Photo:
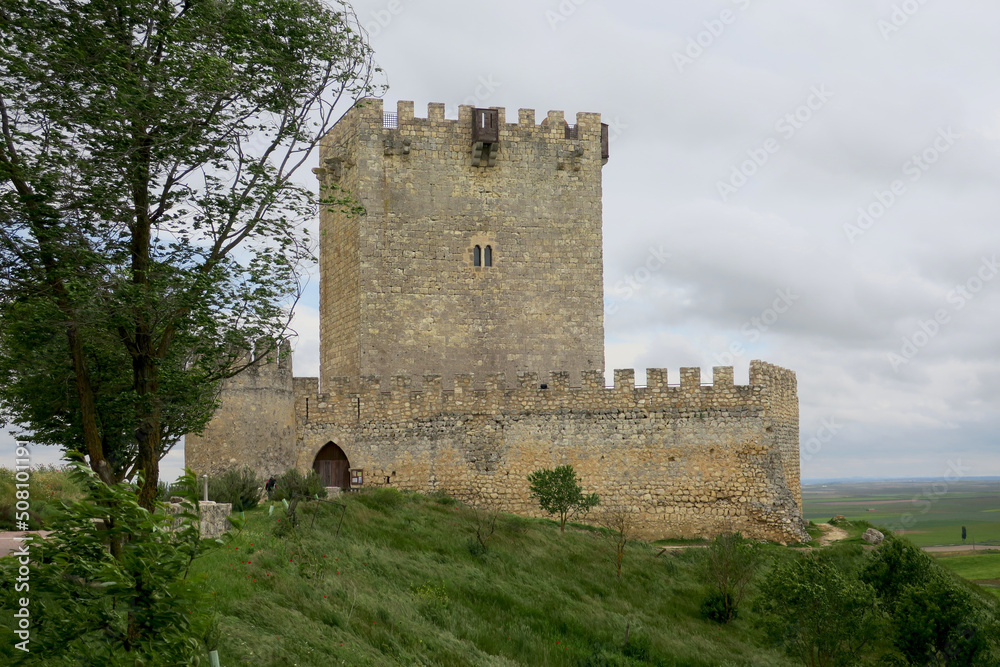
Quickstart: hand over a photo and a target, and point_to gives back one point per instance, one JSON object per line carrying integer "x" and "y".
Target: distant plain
{"x": 927, "y": 512}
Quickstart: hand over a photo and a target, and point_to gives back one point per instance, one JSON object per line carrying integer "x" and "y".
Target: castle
{"x": 462, "y": 342}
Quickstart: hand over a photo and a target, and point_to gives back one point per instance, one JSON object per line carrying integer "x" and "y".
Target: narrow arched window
{"x": 488, "y": 256}
{"x": 477, "y": 256}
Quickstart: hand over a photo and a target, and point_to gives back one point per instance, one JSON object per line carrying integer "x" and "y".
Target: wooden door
{"x": 326, "y": 472}
{"x": 340, "y": 475}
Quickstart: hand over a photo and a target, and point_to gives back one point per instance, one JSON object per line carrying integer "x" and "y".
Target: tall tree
{"x": 150, "y": 229}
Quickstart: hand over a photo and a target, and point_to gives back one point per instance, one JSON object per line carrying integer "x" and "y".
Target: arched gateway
{"x": 332, "y": 466}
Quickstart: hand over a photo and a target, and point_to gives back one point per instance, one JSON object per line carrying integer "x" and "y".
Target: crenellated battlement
{"x": 372, "y": 112}
{"x": 268, "y": 366}
{"x": 368, "y": 398}
{"x": 402, "y": 133}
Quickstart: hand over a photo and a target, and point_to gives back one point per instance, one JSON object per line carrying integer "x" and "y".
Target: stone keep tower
{"x": 479, "y": 250}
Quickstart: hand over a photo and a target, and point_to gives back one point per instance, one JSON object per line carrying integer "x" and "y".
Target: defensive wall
{"x": 689, "y": 459}
{"x": 254, "y": 425}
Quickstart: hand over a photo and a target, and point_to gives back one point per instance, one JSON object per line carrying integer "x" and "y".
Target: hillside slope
{"x": 407, "y": 583}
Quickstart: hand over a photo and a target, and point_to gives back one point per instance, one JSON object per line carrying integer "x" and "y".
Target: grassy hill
{"x": 386, "y": 578}
{"x": 406, "y": 583}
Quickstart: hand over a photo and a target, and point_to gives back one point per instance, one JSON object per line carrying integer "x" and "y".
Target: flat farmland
{"x": 927, "y": 512}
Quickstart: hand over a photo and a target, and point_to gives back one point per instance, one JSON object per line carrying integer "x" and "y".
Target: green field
{"x": 929, "y": 513}
{"x": 982, "y": 568}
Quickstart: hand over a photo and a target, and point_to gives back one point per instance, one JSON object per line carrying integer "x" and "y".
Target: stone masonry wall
{"x": 689, "y": 460}
{"x": 399, "y": 292}
{"x": 254, "y": 425}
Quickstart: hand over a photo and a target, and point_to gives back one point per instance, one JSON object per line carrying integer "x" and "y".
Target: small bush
{"x": 938, "y": 621}
{"x": 719, "y": 607}
{"x": 442, "y": 498}
{"x": 241, "y": 487}
{"x": 476, "y": 548}
{"x": 293, "y": 483}
{"x": 559, "y": 493}
{"x": 730, "y": 566}
{"x": 819, "y": 613}
{"x": 895, "y": 565}
{"x": 8, "y": 514}
{"x": 47, "y": 485}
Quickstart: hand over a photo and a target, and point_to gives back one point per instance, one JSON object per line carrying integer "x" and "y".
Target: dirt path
{"x": 8, "y": 543}
{"x": 962, "y": 548}
{"x": 831, "y": 534}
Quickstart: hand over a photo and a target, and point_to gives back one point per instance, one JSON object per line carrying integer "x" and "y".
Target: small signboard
{"x": 357, "y": 477}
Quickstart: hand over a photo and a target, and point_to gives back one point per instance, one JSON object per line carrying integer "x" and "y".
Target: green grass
{"x": 400, "y": 585}
{"x": 931, "y": 513}
{"x": 974, "y": 567}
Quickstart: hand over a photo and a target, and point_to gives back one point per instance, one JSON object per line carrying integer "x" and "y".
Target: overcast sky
{"x": 812, "y": 184}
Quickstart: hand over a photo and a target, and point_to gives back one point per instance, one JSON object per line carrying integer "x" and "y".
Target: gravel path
{"x": 8, "y": 543}
{"x": 831, "y": 534}
{"x": 962, "y": 548}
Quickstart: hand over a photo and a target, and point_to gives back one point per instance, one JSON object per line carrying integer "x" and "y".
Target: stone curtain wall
{"x": 690, "y": 460}
{"x": 254, "y": 425}
{"x": 399, "y": 291}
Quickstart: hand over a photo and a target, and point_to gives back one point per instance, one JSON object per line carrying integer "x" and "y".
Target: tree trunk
{"x": 145, "y": 368}
{"x": 147, "y": 434}
{"x": 88, "y": 409}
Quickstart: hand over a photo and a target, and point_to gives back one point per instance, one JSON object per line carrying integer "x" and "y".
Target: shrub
{"x": 719, "y": 607}
{"x": 442, "y": 498}
{"x": 820, "y": 614}
{"x": 476, "y": 548}
{"x": 731, "y": 565}
{"x": 558, "y": 492}
{"x": 241, "y": 487}
{"x": 46, "y": 486}
{"x": 895, "y": 565}
{"x": 619, "y": 524}
{"x": 118, "y": 596}
{"x": 937, "y": 622}
{"x": 293, "y": 483}
{"x": 484, "y": 513}
{"x": 8, "y": 513}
